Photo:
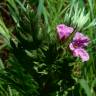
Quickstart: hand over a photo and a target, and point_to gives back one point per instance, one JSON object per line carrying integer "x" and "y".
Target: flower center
{"x": 79, "y": 43}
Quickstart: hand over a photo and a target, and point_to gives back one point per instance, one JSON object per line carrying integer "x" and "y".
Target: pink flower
{"x": 64, "y": 31}
{"x": 77, "y": 46}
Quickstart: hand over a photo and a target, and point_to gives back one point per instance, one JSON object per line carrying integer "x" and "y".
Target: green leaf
{"x": 4, "y": 31}
{"x": 1, "y": 65}
{"x": 40, "y": 7}
{"x": 86, "y": 87}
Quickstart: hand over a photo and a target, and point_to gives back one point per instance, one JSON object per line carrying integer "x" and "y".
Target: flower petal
{"x": 81, "y": 38}
{"x": 80, "y": 52}
{"x": 71, "y": 46}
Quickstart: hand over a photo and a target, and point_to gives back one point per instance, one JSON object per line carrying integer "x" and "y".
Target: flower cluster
{"x": 78, "y": 43}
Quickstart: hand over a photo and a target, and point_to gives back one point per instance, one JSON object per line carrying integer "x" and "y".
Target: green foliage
{"x": 32, "y": 60}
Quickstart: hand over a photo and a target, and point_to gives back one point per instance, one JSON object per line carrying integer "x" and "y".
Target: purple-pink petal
{"x": 80, "y": 52}
{"x": 80, "y": 40}
{"x": 71, "y": 47}
{"x": 63, "y": 31}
